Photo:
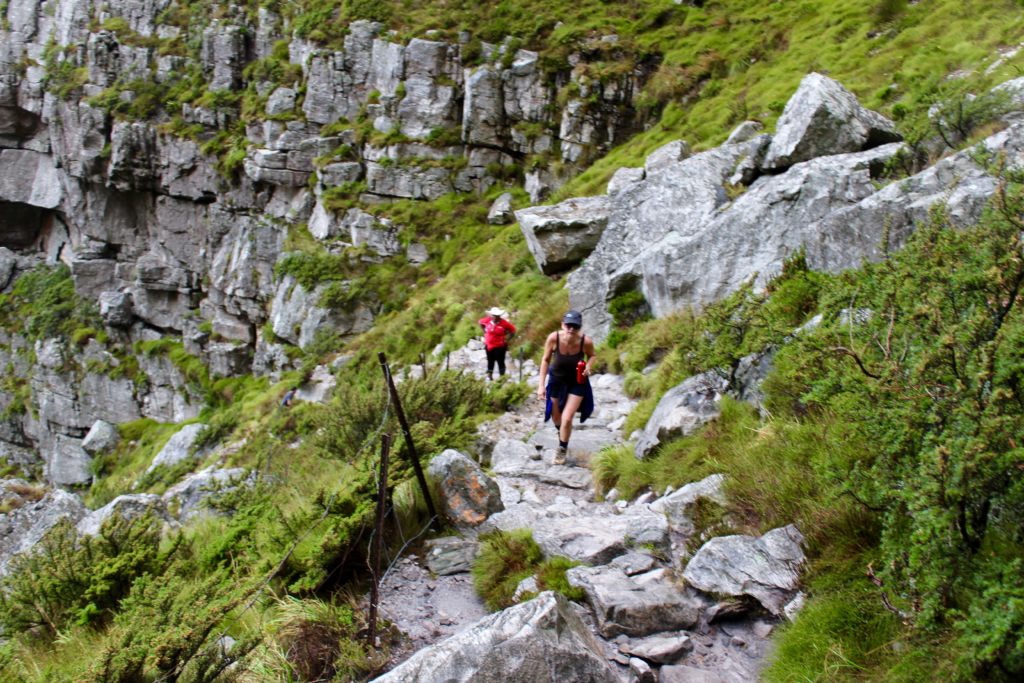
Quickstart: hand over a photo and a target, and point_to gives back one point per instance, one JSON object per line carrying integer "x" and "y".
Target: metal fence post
{"x": 378, "y": 537}
{"x": 413, "y": 456}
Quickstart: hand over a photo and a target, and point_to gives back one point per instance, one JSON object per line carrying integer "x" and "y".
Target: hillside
{"x": 205, "y": 204}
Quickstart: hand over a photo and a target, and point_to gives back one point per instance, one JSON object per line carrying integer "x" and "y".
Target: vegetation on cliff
{"x": 894, "y": 430}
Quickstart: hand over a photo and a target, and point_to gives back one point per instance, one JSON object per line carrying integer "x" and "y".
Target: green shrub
{"x": 551, "y": 577}
{"x": 43, "y": 303}
{"x": 169, "y": 627}
{"x": 70, "y": 580}
{"x": 505, "y": 559}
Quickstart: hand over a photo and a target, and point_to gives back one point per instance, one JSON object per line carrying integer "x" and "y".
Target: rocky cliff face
{"x": 687, "y": 230}
{"x": 164, "y": 157}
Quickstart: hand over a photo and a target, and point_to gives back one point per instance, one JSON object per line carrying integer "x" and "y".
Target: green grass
{"x": 845, "y": 634}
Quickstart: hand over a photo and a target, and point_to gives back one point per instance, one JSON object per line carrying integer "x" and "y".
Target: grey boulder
{"x": 178, "y": 448}
{"x": 766, "y": 568}
{"x": 678, "y": 506}
{"x": 23, "y": 528}
{"x": 636, "y": 605}
{"x": 824, "y": 118}
{"x": 130, "y": 506}
{"x": 540, "y": 641}
{"x": 186, "y": 499}
{"x": 102, "y": 436}
{"x": 501, "y": 210}
{"x": 561, "y": 236}
{"x": 450, "y": 555}
{"x": 468, "y": 495}
{"x": 684, "y": 408}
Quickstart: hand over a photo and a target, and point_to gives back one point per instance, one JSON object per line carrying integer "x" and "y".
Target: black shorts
{"x": 559, "y": 388}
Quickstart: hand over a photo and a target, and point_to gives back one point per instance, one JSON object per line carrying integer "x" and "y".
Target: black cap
{"x": 573, "y": 318}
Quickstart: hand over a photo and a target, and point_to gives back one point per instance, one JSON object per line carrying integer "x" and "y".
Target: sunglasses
{"x": 572, "y": 326}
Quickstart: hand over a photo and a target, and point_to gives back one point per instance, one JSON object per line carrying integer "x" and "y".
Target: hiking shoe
{"x": 559, "y": 458}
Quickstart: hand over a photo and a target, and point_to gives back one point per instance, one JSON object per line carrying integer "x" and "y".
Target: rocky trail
{"x": 641, "y": 621}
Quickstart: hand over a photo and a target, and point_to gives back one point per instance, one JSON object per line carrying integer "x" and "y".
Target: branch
{"x": 870, "y": 573}
{"x": 852, "y": 354}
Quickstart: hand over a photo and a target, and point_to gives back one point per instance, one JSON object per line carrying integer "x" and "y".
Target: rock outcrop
{"x": 818, "y": 184}
{"x": 766, "y": 568}
{"x": 539, "y": 640}
{"x": 468, "y": 496}
{"x": 682, "y": 409}
{"x": 172, "y": 215}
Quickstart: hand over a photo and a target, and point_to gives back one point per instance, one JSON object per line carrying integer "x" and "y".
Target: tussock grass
{"x": 508, "y": 557}
{"x": 504, "y": 560}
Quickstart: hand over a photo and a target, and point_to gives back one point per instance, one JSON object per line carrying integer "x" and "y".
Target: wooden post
{"x": 378, "y": 537}
{"x": 413, "y": 457}
{"x": 423, "y": 364}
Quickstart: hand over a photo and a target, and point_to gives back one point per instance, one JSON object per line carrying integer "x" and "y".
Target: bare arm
{"x": 588, "y": 350}
{"x": 549, "y": 347}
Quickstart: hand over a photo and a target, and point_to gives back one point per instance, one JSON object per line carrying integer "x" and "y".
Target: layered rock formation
{"x": 687, "y": 230}
{"x": 164, "y": 157}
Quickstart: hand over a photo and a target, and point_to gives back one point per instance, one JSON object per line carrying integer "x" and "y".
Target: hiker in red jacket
{"x": 497, "y": 333}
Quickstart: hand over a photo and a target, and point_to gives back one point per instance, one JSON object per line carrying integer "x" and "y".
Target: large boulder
{"x": 500, "y": 212}
{"x": 636, "y": 605}
{"x": 561, "y": 236}
{"x": 102, "y": 436}
{"x": 129, "y": 506}
{"x": 468, "y": 496}
{"x": 187, "y": 498}
{"x": 679, "y": 198}
{"x": 824, "y": 118}
{"x": 766, "y": 568}
{"x": 682, "y": 410}
{"x": 751, "y": 237}
{"x": 540, "y": 641}
{"x": 67, "y": 464}
{"x": 679, "y": 505}
{"x": 22, "y": 529}
{"x": 849, "y": 235}
{"x": 178, "y": 448}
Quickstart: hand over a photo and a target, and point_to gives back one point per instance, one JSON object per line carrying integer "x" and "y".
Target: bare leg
{"x": 572, "y": 404}
{"x": 556, "y": 414}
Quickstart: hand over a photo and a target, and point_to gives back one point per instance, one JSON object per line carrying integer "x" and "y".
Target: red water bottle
{"x": 580, "y": 367}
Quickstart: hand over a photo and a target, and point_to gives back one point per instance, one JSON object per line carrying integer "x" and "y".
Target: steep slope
{"x": 203, "y": 204}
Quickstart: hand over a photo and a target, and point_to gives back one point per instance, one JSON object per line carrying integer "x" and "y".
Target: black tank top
{"x": 563, "y": 366}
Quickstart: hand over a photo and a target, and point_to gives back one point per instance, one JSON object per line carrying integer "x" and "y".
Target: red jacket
{"x": 496, "y": 334}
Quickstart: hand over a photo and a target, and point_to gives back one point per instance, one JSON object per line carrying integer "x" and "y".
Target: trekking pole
{"x": 378, "y": 534}
{"x": 413, "y": 457}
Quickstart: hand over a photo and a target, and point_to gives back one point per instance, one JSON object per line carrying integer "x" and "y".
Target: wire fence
{"x": 389, "y": 553}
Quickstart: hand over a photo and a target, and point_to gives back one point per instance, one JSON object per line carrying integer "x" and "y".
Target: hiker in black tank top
{"x": 563, "y": 365}
{"x": 563, "y": 351}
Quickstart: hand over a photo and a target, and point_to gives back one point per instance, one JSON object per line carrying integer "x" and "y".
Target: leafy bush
{"x": 71, "y": 580}
{"x": 168, "y": 629}
{"x": 931, "y": 380}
